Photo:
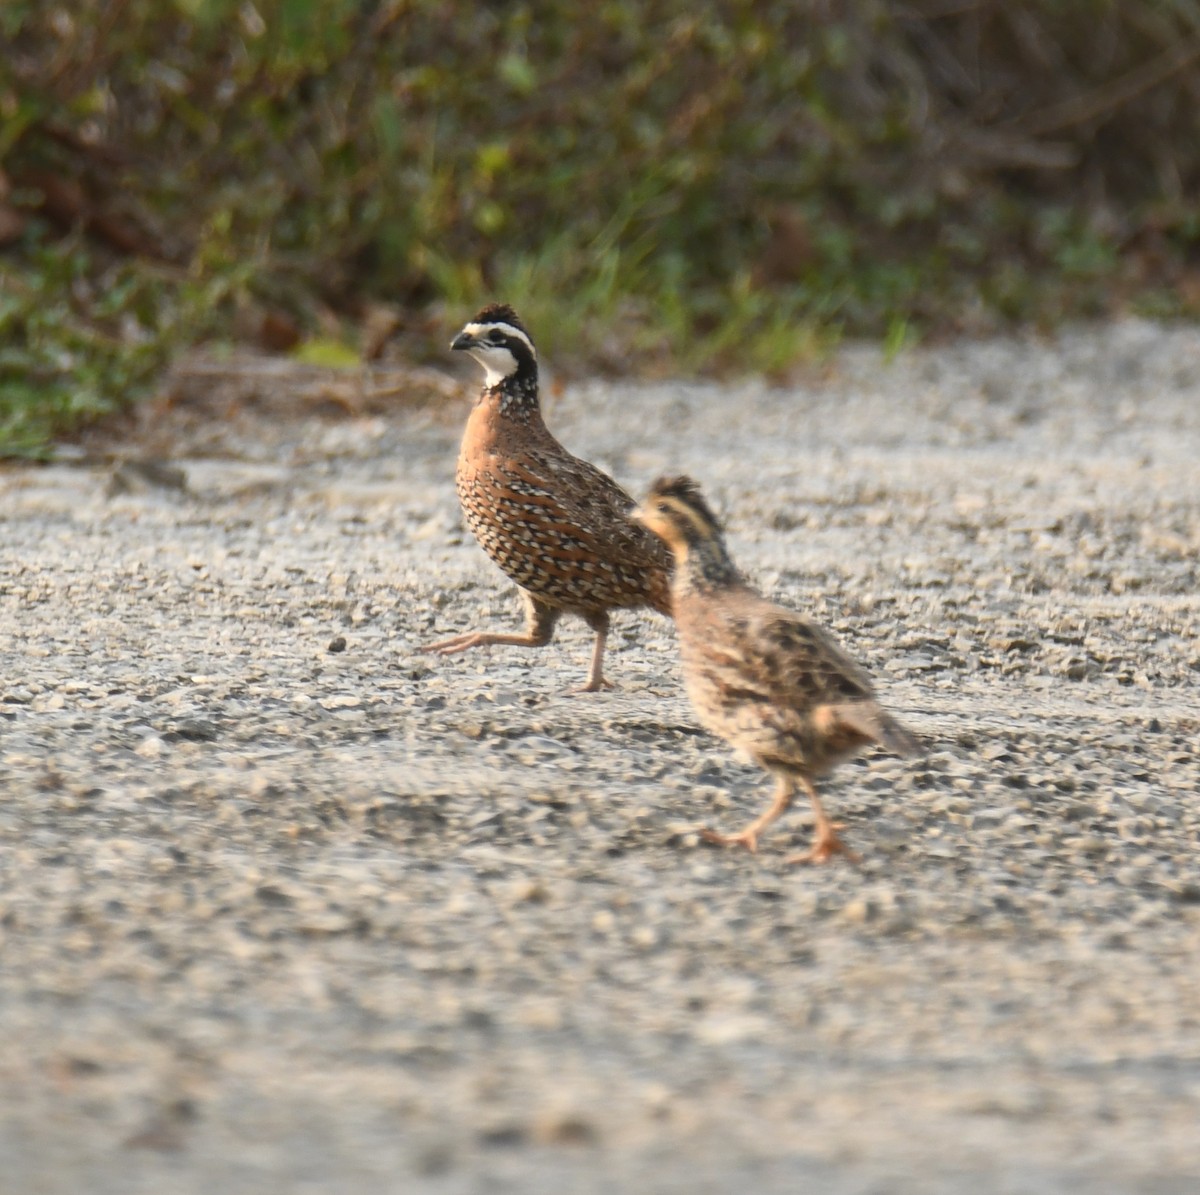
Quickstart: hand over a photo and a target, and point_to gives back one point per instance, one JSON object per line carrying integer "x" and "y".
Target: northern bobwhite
{"x": 766, "y": 680}
{"x": 556, "y": 525}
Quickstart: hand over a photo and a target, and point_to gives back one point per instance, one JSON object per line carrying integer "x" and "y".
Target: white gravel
{"x": 277, "y": 917}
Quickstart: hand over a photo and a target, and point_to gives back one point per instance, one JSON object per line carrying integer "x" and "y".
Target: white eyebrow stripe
{"x": 507, "y": 329}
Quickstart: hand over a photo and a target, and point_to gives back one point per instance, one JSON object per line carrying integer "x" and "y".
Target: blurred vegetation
{"x": 717, "y": 184}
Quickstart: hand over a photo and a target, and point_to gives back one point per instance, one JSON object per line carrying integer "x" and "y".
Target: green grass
{"x": 658, "y": 188}
{"x": 60, "y": 367}
{"x": 80, "y": 340}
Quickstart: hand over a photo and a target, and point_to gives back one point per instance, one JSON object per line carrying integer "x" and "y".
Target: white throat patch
{"x": 498, "y": 363}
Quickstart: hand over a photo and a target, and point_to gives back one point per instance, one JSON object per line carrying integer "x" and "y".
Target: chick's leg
{"x": 826, "y": 842}
{"x": 785, "y": 789}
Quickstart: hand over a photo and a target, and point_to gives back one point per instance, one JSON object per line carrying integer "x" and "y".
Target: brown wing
{"x": 805, "y": 670}
{"x": 807, "y": 665}
{"x": 774, "y": 684}
{"x": 788, "y": 662}
{"x": 599, "y": 509}
{"x": 559, "y": 527}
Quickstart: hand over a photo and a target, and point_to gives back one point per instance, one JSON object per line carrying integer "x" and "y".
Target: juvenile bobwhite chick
{"x": 556, "y": 525}
{"x": 766, "y": 680}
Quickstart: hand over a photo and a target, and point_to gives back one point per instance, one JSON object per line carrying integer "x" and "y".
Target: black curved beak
{"x": 464, "y": 340}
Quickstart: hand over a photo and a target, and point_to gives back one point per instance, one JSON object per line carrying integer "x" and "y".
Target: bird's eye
{"x": 495, "y": 337}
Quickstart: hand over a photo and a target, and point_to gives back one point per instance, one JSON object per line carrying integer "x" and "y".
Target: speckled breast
{"x": 520, "y": 525}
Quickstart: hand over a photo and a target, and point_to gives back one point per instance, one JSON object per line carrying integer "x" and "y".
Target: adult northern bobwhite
{"x": 558, "y": 526}
{"x": 766, "y": 680}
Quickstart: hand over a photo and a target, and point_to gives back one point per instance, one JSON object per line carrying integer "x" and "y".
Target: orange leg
{"x": 784, "y": 791}
{"x": 595, "y": 680}
{"x": 539, "y": 630}
{"x": 540, "y": 621}
{"x": 470, "y": 639}
{"x": 826, "y": 842}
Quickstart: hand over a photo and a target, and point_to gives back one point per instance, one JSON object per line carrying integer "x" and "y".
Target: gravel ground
{"x": 289, "y": 907}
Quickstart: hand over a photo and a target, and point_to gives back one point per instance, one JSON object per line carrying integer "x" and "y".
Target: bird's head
{"x": 497, "y": 339}
{"x": 677, "y": 513}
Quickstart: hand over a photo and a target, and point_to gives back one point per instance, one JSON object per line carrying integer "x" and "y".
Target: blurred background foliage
{"x": 657, "y": 184}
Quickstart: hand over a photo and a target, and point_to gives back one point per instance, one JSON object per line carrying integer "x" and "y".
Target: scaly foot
{"x": 826, "y": 844}
{"x": 747, "y": 838}
{"x": 457, "y": 643}
{"x": 595, "y": 685}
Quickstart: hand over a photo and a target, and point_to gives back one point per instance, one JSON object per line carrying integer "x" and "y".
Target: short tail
{"x": 898, "y": 738}
{"x": 851, "y": 725}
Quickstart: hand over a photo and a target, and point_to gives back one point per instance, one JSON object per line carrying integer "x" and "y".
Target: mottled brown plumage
{"x": 555, "y": 524}
{"x": 766, "y": 680}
